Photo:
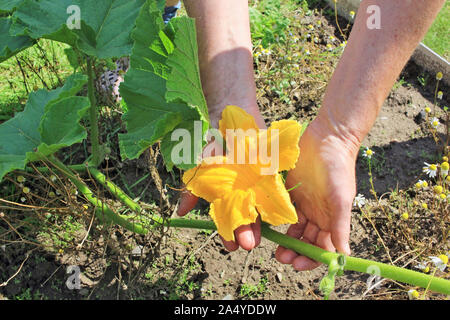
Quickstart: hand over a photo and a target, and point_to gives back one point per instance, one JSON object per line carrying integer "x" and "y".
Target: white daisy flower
{"x": 439, "y": 262}
{"x": 359, "y": 201}
{"x": 430, "y": 169}
{"x": 434, "y": 122}
{"x": 368, "y": 153}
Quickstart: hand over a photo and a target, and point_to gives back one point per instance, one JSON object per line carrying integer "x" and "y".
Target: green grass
{"x": 437, "y": 37}
{"x": 43, "y": 65}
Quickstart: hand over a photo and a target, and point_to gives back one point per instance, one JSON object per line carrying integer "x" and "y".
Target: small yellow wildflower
{"x": 438, "y": 189}
{"x": 427, "y": 109}
{"x": 439, "y": 76}
{"x": 61, "y": 251}
{"x": 26, "y": 190}
{"x": 415, "y": 202}
{"x": 21, "y": 179}
{"x": 405, "y": 216}
{"x": 440, "y": 95}
{"x": 443, "y": 196}
{"x": 443, "y": 258}
{"x": 51, "y": 194}
{"x": 413, "y": 294}
{"x": 329, "y": 47}
{"x": 310, "y": 27}
{"x": 352, "y": 14}
{"x": 424, "y": 206}
{"x": 444, "y": 168}
{"x": 53, "y": 178}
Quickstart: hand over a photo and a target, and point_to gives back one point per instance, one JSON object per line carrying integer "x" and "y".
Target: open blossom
{"x": 239, "y": 192}
{"x": 439, "y": 76}
{"x": 368, "y": 153}
{"x": 434, "y": 122}
{"x": 359, "y": 201}
{"x": 423, "y": 266}
{"x": 440, "y": 95}
{"x": 439, "y": 262}
{"x": 430, "y": 169}
{"x": 352, "y": 14}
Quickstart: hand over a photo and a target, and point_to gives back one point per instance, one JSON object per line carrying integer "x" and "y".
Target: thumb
{"x": 187, "y": 203}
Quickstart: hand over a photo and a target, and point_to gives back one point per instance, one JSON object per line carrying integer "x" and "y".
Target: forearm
{"x": 225, "y": 55}
{"x": 370, "y": 64}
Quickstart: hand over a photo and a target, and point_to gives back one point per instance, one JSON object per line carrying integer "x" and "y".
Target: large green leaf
{"x": 50, "y": 121}
{"x": 9, "y": 5}
{"x": 104, "y": 29}
{"x": 151, "y": 117}
{"x": 10, "y": 45}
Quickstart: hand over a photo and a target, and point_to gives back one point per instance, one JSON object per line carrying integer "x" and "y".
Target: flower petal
{"x": 214, "y": 179}
{"x": 273, "y": 201}
{"x": 234, "y": 210}
{"x": 288, "y": 134}
{"x": 234, "y": 118}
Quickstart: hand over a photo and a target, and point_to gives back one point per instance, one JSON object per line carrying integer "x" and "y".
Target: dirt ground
{"x": 192, "y": 264}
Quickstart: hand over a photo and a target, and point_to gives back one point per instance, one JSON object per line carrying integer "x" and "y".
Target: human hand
{"x": 247, "y": 236}
{"x": 323, "y": 200}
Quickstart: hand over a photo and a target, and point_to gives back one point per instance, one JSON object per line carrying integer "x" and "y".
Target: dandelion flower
{"x": 359, "y": 201}
{"x": 434, "y": 122}
{"x": 427, "y": 109}
{"x": 413, "y": 294}
{"x": 352, "y": 14}
{"x": 444, "y": 168}
{"x": 430, "y": 169}
{"x": 439, "y": 262}
{"x": 368, "y": 153}
{"x": 439, "y": 76}
{"x": 440, "y": 95}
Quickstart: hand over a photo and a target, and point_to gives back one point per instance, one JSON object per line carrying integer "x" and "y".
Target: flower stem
{"x": 93, "y": 114}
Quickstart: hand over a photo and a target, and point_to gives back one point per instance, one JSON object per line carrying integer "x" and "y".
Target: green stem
{"x": 354, "y": 264}
{"x": 93, "y": 114}
{"x": 102, "y": 210}
{"x": 74, "y": 167}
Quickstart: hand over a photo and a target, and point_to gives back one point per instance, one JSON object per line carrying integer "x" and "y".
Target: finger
{"x": 285, "y": 255}
{"x": 245, "y": 237}
{"x": 302, "y": 263}
{"x": 340, "y": 231}
{"x": 229, "y": 245}
{"x": 324, "y": 241}
{"x": 187, "y": 203}
{"x": 256, "y": 227}
{"x": 311, "y": 232}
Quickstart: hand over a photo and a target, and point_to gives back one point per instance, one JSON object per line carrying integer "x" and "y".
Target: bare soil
{"x": 191, "y": 264}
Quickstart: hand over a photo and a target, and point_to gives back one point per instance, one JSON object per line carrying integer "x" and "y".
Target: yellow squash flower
{"x": 238, "y": 192}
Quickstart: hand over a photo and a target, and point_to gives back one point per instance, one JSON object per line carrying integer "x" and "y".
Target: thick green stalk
{"x": 354, "y": 264}
{"x": 102, "y": 210}
{"x": 93, "y": 115}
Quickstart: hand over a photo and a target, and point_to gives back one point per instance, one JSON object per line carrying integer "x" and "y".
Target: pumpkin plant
{"x": 163, "y": 93}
